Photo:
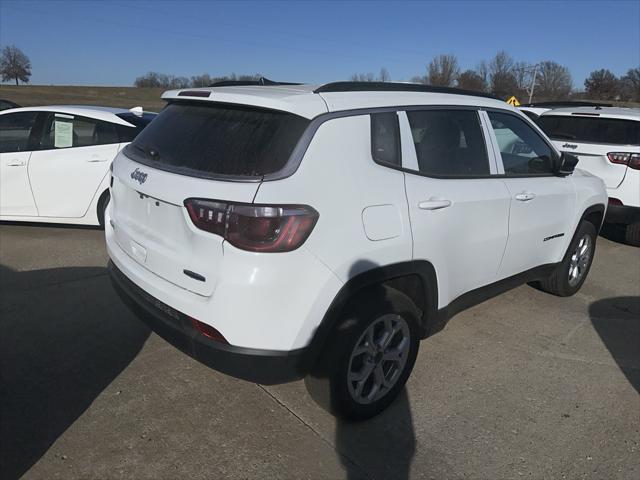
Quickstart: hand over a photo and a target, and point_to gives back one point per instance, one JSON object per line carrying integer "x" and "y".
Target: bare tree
{"x": 470, "y": 80}
{"x": 14, "y": 65}
{"x": 148, "y": 80}
{"x": 363, "y": 77}
{"x": 384, "y": 75}
{"x": 203, "y": 80}
{"x": 630, "y": 85}
{"x": 553, "y": 81}
{"x": 601, "y": 85}
{"x": 419, "y": 79}
{"x": 483, "y": 72}
{"x": 443, "y": 70}
{"x": 501, "y": 75}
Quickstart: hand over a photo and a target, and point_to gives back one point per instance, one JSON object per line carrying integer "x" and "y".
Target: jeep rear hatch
{"x": 592, "y": 138}
{"x": 215, "y": 152}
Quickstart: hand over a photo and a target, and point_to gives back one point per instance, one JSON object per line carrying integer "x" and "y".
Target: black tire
{"x": 559, "y": 283}
{"x": 102, "y": 206}
{"x": 379, "y": 306}
{"x": 632, "y": 234}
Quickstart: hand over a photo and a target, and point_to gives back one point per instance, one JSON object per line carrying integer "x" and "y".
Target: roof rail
{"x": 262, "y": 81}
{"x": 568, "y": 103}
{"x": 395, "y": 87}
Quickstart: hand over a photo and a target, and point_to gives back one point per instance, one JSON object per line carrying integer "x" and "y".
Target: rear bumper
{"x": 622, "y": 214}
{"x": 261, "y": 366}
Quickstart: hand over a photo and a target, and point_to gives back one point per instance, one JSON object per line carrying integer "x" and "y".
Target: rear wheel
{"x": 632, "y": 234}
{"x": 370, "y": 354}
{"x": 571, "y": 273}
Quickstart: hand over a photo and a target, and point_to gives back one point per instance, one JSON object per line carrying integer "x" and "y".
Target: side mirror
{"x": 567, "y": 164}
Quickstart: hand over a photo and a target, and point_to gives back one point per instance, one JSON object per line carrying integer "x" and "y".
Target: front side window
{"x": 609, "y": 131}
{"x": 65, "y": 131}
{"x": 15, "y": 130}
{"x": 523, "y": 151}
{"x": 449, "y": 142}
{"x": 385, "y": 138}
{"x": 209, "y": 139}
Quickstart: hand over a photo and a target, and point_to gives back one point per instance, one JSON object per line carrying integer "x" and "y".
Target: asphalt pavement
{"x": 526, "y": 385}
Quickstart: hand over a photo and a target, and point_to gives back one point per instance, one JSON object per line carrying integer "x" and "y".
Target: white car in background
{"x": 607, "y": 142}
{"x": 54, "y": 160}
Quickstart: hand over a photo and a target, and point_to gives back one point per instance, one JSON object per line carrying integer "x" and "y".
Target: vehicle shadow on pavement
{"x": 382, "y": 447}
{"x": 617, "y": 321}
{"x": 65, "y": 337}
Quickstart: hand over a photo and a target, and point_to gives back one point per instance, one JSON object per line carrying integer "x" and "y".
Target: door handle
{"x": 434, "y": 204}
{"x": 17, "y": 163}
{"x": 525, "y": 196}
{"x": 96, "y": 160}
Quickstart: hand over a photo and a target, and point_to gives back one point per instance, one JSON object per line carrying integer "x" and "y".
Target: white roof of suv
{"x": 302, "y": 99}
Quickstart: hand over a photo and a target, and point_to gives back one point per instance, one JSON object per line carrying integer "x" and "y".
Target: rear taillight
{"x": 625, "y": 158}
{"x": 615, "y": 201}
{"x": 256, "y": 228}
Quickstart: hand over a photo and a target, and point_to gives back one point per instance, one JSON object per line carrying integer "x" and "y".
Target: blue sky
{"x": 113, "y": 42}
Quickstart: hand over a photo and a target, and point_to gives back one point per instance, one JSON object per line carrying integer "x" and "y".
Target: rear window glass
{"x": 216, "y": 139}
{"x": 591, "y": 129}
{"x": 127, "y": 134}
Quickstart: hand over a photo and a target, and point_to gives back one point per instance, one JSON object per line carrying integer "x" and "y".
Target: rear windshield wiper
{"x": 147, "y": 152}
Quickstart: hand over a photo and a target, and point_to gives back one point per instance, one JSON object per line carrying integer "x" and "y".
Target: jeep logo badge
{"x": 570, "y": 145}
{"x": 139, "y": 176}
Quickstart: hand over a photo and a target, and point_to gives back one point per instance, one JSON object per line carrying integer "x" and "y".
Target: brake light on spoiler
{"x": 625, "y": 158}
{"x": 255, "y": 228}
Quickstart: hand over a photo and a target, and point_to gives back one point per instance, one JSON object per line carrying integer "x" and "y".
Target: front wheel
{"x": 571, "y": 273}
{"x": 370, "y": 354}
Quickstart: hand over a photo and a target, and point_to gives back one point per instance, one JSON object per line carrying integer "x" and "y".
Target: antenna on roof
{"x": 138, "y": 111}
{"x": 262, "y": 82}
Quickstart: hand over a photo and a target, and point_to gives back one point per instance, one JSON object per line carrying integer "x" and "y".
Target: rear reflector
{"x": 625, "y": 158}
{"x": 208, "y": 331}
{"x": 255, "y": 228}
{"x": 615, "y": 201}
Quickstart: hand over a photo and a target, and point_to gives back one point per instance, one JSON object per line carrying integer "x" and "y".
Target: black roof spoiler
{"x": 396, "y": 87}
{"x": 262, "y": 81}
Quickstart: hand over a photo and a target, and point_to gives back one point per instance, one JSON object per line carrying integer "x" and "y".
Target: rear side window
{"x": 575, "y": 128}
{"x": 15, "y": 129}
{"x": 449, "y": 142}
{"x": 385, "y": 138}
{"x": 523, "y": 151}
{"x": 64, "y": 131}
{"x": 207, "y": 140}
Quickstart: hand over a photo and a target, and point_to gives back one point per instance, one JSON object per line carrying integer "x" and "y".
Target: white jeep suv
{"x": 607, "y": 142}
{"x": 277, "y": 231}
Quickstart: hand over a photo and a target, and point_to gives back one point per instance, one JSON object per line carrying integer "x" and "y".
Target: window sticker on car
{"x": 63, "y": 128}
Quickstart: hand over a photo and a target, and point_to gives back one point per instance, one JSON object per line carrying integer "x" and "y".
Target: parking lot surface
{"x": 524, "y": 385}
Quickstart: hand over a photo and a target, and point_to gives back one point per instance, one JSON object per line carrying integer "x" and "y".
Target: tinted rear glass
{"x": 127, "y": 134}
{"x": 208, "y": 140}
{"x": 591, "y": 129}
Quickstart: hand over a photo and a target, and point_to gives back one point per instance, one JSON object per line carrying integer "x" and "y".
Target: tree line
{"x": 161, "y": 80}
{"x": 503, "y": 77}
